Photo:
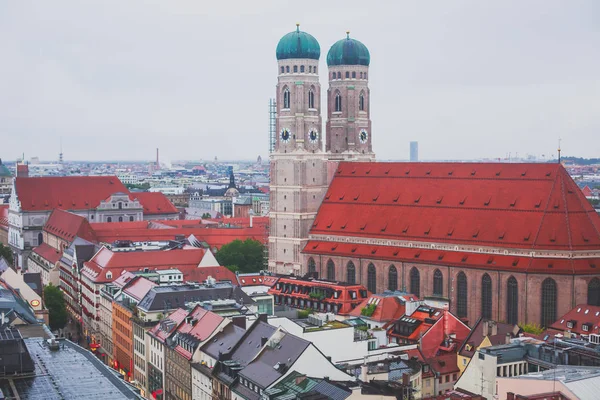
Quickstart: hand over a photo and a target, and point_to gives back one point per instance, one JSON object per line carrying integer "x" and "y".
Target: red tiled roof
{"x": 389, "y": 308}
{"x": 48, "y": 253}
{"x": 444, "y": 364}
{"x": 528, "y": 206}
{"x": 200, "y": 274}
{"x": 578, "y": 316}
{"x": 455, "y": 258}
{"x": 205, "y": 324}
{"x": 155, "y": 203}
{"x": 116, "y": 262}
{"x": 139, "y": 288}
{"x": 67, "y": 226}
{"x": 109, "y": 232}
{"x": 587, "y": 192}
{"x": 66, "y": 192}
{"x": 176, "y": 316}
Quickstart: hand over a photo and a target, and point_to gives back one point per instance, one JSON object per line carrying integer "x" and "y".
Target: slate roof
{"x": 223, "y": 341}
{"x": 296, "y": 385}
{"x": 174, "y": 296}
{"x": 512, "y": 206}
{"x": 66, "y": 192}
{"x": 262, "y": 370}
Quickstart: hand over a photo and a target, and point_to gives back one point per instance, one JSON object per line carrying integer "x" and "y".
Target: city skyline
{"x": 147, "y": 75}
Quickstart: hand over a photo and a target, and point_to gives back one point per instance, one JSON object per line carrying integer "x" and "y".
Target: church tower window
{"x": 295, "y": 68}
{"x": 371, "y": 279}
{"x": 347, "y": 74}
{"x": 351, "y": 273}
{"x": 338, "y": 102}
{"x": 333, "y": 75}
{"x": 361, "y": 102}
{"x": 287, "y": 69}
{"x": 282, "y": 69}
{"x": 548, "y": 302}
{"x": 286, "y": 97}
{"x": 339, "y": 75}
{"x": 311, "y": 99}
{"x": 415, "y": 282}
{"x": 353, "y": 74}
{"x": 302, "y": 68}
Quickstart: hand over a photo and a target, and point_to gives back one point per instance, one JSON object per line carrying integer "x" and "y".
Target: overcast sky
{"x": 467, "y": 79}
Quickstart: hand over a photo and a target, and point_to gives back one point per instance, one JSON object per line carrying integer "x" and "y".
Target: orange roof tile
{"x": 389, "y": 308}
{"x": 48, "y": 253}
{"x": 66, "y": 192}
{"x": 529, "y": 206}
{"x": 67, "y": 226}
{"x": 155, "y": 203}
{"x": 579, "y": 316}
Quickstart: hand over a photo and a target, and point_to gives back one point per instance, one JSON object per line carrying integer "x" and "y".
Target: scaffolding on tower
{"x": 272, "y": 124}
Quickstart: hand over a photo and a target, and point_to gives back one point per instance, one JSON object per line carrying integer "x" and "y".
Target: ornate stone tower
{"x": 348, "y": 101}
{"x": 298, "y": 164}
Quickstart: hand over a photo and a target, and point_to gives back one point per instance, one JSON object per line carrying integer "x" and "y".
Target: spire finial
{"x": 297, "y": 26}
{"x": 347, "y": 34}
{"x": 559, "y": 140}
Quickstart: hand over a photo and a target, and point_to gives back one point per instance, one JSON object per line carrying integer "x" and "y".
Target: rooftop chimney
{"x": 239, "y": 321}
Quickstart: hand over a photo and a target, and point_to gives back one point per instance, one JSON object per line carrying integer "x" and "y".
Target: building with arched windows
{"x": 301, "y": 168}
{"x": 508, "y": 242}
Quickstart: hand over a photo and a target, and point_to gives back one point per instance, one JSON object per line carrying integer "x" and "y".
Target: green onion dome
{"x": 298, "y": 44}
{"x": 348, "y": 52}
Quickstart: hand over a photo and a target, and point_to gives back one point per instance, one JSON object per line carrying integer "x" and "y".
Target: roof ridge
{"x": 539, "y": 230}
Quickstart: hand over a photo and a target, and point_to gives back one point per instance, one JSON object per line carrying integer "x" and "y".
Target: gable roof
{"x": 223, "y": 341}
{"x": 388, "y": 308}
{"x": 475, "y": 338}
{"x": 578, "y": 316}
{"x": 48, "y": 253}
{"x": 66, "y": 192}
{"x": 202, "y": 324}
{"x": 528, "y": 206}
{"x": 166, "y": 327}
{"x": 155, "y": 203}
{"x": 67, "y": 226}
{"x": 105, "y": 261}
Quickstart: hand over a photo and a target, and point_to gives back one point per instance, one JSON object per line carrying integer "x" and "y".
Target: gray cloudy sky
{"x": 116, "y": 79}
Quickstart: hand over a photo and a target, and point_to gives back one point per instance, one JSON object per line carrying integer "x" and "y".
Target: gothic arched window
{"x": 339, "y": 75}
{"x": 415, "y": 282}
{"x": 330, "y": 270}
{"x": 338, "y": 102}
{"x": 371, "y": 279}
{"x": 131, "y": 219}
{"x": 312, "y": 267}
{"x": 548, "y": 302}
{"x": 393, "y": 278}
{"x": 512, "y": 301}
{"x": 302, "y": 68}
{"x": 361, "y": 102}
{"x": 461, "y": 295}
{"x": 40, "y": 238}
{"x": 120, "y": 219}
{"x": 486, "y": 296}
{"x": 286, "y": 97}
{"x": 594, "y": 292}
{"x": 282, "y": 70}
{"x": 333, "y": 75}
{"x": 438, "y": 283}
{"x": 295, "y": 68}
{"x": 311, "y": 99}
{"x": 287, "y": 69}
{"x": 109, "y": 219}
{"x": 351, "y": 273}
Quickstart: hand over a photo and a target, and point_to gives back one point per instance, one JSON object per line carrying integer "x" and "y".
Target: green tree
{"x": 247, "y": 255}
{"x": 205, "y": 216}
{"x": 6, "y": 253}
{"x": 55, "y": 303}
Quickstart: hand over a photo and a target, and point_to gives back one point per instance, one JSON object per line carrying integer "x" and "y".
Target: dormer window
{"x": 571, "y": 324}
{"x": 109, "y": 275}
{"x": 586, "y": 327}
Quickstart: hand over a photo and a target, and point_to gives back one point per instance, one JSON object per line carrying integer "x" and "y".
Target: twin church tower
{"x": 300, "y": 168}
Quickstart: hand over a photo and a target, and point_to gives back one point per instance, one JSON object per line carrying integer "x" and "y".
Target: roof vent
{"x": 476, "y": 233}
{"x": 374, "y": 250}
{"x": 501, "y": 236}
{"x": 376, "y": 197}
{"x": 464, "y": 259}
{"x": 367, "y": 172}
{"x": 428, "y": 172}
{"x": 395, "y": 199}
{"x": 417, "y": 255}
{"x": 407, "y": 172}
{"x": 384, "y": 228}
{"x": 439, "y": 200}
{"x": 526, "y": 238}
{"x": 514, "y": 203}
{"x": 387, "y": 172}
{"x": 490, "y": 260}
{"x": 592, "y": 265}
{"x": 550, "y": 265}
{"x": 354, "y": 171}
{"x": 363, "y": 226}
{"x": 344, "y": 225}
{"x": 405, "y": 229}
{"x": 462, "y": 202}
{"x": 538, "y": 204}
{"x": 354, "y": 249}
{"x": 548, "y": 173}
{"x": 396, "y": 252}
{"x": 356, "y": 197}
{"x": 342, "y": 196}
{"x": 473, "y": 172}
{"x": 441, "y": 257}
{"x": 487, "y": 203}
{"x": 450, "y": 172}
{"x": 524, "y": 173}
{"x": 450, "y": 231}
{"x": 418, "y": 199}
{"x": 515, "y": 262}
{"x": 428, "y": 230}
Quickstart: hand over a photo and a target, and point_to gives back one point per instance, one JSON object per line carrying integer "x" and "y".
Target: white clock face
{"x": 363, "y": 136}
{"x": 285, "y": 135}
{"x": 313, "y": 135}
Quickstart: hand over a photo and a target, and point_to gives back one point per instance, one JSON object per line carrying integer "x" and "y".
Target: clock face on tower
{"x": 363, "y": 135}
{"x": 285, "y": 135}
{"x": 313, "y": 135}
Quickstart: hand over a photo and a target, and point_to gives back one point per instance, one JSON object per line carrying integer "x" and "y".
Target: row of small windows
{"x": 109, "y": 219}
{"x": 338, "y": 102}
{"x": 338, "y": 75}
{"x": 548, "y": 301}
{"x": 311, "y": 100}
{"x": 286, "y": 69}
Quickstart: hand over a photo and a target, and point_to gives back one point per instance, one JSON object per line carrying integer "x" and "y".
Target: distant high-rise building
{"x": 414, "y": 151}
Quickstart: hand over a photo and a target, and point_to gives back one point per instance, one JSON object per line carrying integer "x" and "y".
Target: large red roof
{"x": 388, "y": 308}
{"x": 579, "y": 316}
{"x": 116, "y": 262}
{"x": 155, "y": 203}
{"x": 535, "y": 206}
{"x": 512, "y": 206}
{"x": 66, "y": 192}
{"x": 67, "y": 226}
{"x": 138, "y": 231}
